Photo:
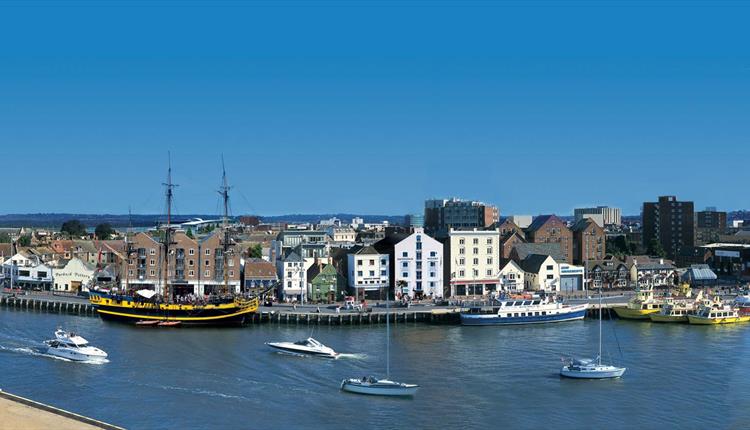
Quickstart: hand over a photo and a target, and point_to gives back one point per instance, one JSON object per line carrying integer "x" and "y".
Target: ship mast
{"x": 224, "y": 192}
{"x": 168, "y": 231}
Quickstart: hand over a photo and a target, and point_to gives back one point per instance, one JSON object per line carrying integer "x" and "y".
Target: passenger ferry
{"x": 524, "y": 311}
{"x": 712, "y": 315}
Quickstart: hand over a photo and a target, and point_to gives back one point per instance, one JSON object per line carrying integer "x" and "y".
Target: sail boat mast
{"x": 224, "y": 192}
{"x": 167, "y": 232}
{"x": 600, "y": 325}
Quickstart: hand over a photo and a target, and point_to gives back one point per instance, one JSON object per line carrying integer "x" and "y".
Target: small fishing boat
{"x": 307, "y": 346}
{"x": 73, "y": 347}
{"x": 591, "y": 368}
{"x": 378, "y": 387}
{"x": 718, "y": 315}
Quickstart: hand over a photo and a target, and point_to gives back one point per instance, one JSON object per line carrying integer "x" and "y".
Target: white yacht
{"x": 73, "y": 347}
{"x": 591, "y": 368}
{"x": 308, "y": 346}
{"x": 382, "y": 387}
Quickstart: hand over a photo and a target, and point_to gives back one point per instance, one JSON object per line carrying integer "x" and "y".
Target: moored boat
{"x": 524, "y": 311}
{"x": 718, "y": 315}
{"x": 640, "y": 306}
{"x": 378, "y": 387}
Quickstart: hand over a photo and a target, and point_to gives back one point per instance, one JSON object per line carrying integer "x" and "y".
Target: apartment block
{"x": 671, "y": 223}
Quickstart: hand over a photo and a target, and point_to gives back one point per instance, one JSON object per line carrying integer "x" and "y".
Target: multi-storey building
{"x": 442, "y": 215}
{"x": 671, "y": 223}
{"x": 607, "y": 215}
{"x": 194, "y": 267}
{"x": 418, "y": 266}
{"x": 474, "y": 261}
{"x": 588, "y": 241}
{"x": 551, "y": 229}
{"x": 368, "y": 273}
{"x": 292, "y": 276}
{"x": 710, "y": 224}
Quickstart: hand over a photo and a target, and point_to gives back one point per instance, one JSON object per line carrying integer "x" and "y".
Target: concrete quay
{"x": 18, "y": 412}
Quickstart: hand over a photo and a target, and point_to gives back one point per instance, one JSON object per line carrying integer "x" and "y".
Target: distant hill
{"x": 55, "y": 220}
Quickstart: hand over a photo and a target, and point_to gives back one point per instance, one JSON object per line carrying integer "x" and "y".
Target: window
{"x": 372, "y": 262}
{"x": 433, "y": 254}
{"x": 549, "y": 267}
{"x": 130, "y": 272}
{"x": 383, "y": 262}
{"x": 489, "y": 250}
{"x": 231, "y": 273}
{"x": 475, "y": 241}
{"x": 382, "y": 273}
{"x": 208, "y": 251}
{"x": 208, "y": 263}
{"x": 359, "y": 262}
{"x": 405, "y": 264}
{"x": 152, "y": 262}
{"x": 476, "y": 261}
{"x": 152, "y": 251}
{"x": 460, "y": 241}
{"x": 419, "y": 245}
{"x": 404, "y": 254}
{"x": 550, "y": 276}
{"x": 476, "y": 251}
{"x": 461, "y": 261}
{"x": 191, "y": 272}
{"x": 461, "y": 251}
{"x": 191, "y": 252}
{"x": 405, "y": 274}
{"x": 230, "y": 263}
{"x": 461, "y": 273}
{"x": 432, "y": 275}
{"x": 288, "y": 274}
{"x": 372, "y": 273}
{"x": 489, "y": 241}
{"x": 489, "y": 260}
{"x": 359, "y": 273}
{"x": 190, "y": 262}
{"x": 153, "y": 272}
{"x": 207, "y": 273}
{"x": 432, "y": 264}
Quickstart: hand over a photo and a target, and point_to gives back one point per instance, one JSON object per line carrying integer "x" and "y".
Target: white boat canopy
{"x": 146, "y": 293}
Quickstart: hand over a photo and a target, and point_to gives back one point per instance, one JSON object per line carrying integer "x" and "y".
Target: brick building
{"x": 552, "y": 229}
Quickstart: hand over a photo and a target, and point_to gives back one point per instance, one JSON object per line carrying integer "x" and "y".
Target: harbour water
{"x": 679, "y": 376}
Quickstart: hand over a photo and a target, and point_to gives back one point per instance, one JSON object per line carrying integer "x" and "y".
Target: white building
{"x": 572, "y": 278}
{"x": 511, "y": 277}
{"x": 368, "y": 273}
{"x": 604, "y": 214}
{"x": 474, "y": 262}
{"x": 541, "y": 272}
{"x": 75, "y": 276}
{"x": 522, "y": 221}
{"x": 292, "y": 273}
{"x": 28, "y": 272}
{"x": 419, "y": 266}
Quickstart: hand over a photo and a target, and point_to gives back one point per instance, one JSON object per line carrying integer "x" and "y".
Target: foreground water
{"x": 678, "y": 376}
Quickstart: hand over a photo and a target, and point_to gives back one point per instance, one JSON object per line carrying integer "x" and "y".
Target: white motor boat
{"x": 73, "y": 347}
{"x": 308, "y": 346}
{"x": 590, "y": 369}
{"x": 382, "y": 387}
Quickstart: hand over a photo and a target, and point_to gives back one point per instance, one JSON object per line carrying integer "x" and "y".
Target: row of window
{"x": 152, "y": 251}
{"x": 475, "y": 272}
{"x": 475, "y": 241}
{"x": 419, "y": 274}
{"x": 152, "y": 262}
{"x": 475, "y": 261}
{"x": 383, "y": 262}
{"x": 207, "y": 273}
{"x": 405, "y": 254}
{"x": 372, "y": 273}
{"x": 475, "y": 251}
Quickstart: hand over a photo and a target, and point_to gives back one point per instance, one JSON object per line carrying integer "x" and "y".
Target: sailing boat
{"x": 381, "y": 387}
{"x": 592, "y": 368}
{"x": 145, "y": 307}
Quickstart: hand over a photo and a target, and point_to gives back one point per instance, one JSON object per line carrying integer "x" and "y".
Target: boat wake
{"x": 198, "y": 391}
{"x": 40, "y": 352}
{"x": 358, "y": 356}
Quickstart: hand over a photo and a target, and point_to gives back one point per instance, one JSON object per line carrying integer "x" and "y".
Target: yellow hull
{"x": 709, "y": 321}
{"x": 625, "y": 312}
{"x": 658, "y": 317}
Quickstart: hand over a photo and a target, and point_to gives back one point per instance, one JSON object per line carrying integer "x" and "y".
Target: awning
{"x": 146, "y": 293}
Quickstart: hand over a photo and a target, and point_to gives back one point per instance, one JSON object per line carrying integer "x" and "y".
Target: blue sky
{"x": 372, "y": 107}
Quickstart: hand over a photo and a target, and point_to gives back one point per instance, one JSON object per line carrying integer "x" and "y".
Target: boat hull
{"x": 297, "y": 351}
{"x": 625, "y": 312}
{"x": 698, "y": 320}
{"x": 377, "y": 390}
{"x": 578, "y": 374}
{"x": 76, "y": 356}
{"x": 658, "y": 317}
{"x": 132, "y": 312}
{"x": 576, "y": 313}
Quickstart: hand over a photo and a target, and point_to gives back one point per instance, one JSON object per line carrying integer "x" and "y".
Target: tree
{"x": 73, "y": 228}
{"x": 24, "y": 240}
{"x": 655, "y": 249}
{"x": 103, "y": 231}
{"x": 255, "y": 251}
{"x": 4, "y": 237}
{"x": 189, "y": 233}
{"x": 619, "y": 247}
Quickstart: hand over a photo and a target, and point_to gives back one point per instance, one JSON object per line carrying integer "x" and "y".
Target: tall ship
{"x": 150, "y": 307}
{"x": 529, "y": 310}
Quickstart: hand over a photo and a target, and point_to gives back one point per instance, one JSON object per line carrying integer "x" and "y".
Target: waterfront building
{"x": 369, "y": 273}
{"x": 588, "y": 241}
{"x": 551, "y": 229}
{"x": 729, "y": 259}
{"x": 474, "y": 261}
{"x": 671, "y": 223}
{"x": 511, "y": 277}
{"x": 572, "y": 278}
{"x": 325, "y": 283}
{"x": 258, "y": 275}
{"x": 444, "y": 214}
{"x": 610, "y": 272}
{"x": 541, "y": 273}
{"x": 292, "y": 274}
{"x": 28, "y": 272}
{"x": 508, "y": 243}
{"x": 74, "y": 276}
{"x": 602, "y": 215}
{"x": 418, "y": 266}
{"x": 651, "y": 272}
{"x": 508, "y": 227}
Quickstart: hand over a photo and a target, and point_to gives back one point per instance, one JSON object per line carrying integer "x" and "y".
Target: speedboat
{"x": 73, "y": 347}
{"x": 590, "y": 369}
{"x": 308, "y": 346}
{"x": 378, "y": 387}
